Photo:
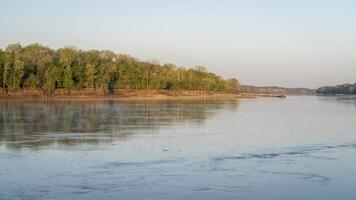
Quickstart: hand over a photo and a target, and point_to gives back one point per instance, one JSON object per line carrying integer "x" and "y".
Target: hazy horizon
{"x": 274, "y": 43}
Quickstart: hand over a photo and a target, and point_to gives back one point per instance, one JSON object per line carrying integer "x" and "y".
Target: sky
{"x": 289, "y": 43}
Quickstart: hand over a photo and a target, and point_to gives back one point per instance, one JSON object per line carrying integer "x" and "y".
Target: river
{"x": 264, "y": 148}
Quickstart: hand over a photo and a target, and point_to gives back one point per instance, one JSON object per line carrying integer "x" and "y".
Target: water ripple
{"x": 306, "y": 176}
{"x": 304, "y": 151}
{"x": 137, "y": 164}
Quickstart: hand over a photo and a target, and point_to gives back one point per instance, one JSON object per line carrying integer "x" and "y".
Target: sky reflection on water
{"x": 296, "y": 148}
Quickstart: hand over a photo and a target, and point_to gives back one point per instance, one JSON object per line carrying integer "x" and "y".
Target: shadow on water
{"x": 36, "y": 123}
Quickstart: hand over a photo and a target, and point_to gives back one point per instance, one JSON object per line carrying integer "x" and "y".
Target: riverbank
{"x": 121, "y": 94}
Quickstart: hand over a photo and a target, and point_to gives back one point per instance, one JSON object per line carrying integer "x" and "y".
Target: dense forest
{"x": 339, "y": 89}
{"x": 38, "y": 67}
{"x": 275, "y": 90}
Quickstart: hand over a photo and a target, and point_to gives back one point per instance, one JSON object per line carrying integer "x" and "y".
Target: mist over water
{"x": 264, "y": 148}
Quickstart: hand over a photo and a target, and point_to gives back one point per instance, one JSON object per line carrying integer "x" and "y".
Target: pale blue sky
{"x": 300, "y": 43}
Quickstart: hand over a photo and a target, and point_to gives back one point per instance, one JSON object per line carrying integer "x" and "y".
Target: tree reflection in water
{"x": 36, "y": 123}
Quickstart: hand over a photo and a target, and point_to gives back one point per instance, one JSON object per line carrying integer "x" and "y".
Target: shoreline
{"x": 136, "y": 95}
{"x": 122, "y": 95}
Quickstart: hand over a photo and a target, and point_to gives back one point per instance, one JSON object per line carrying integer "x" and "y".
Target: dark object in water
{"x": 272, "y": 95}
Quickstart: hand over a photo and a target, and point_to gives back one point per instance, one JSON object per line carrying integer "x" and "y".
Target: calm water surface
{"x": 294, "y": 148}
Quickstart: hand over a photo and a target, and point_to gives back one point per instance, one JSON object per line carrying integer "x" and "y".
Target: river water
{"x": 264, "y": 148}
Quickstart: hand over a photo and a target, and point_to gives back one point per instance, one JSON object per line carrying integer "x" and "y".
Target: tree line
{"x": 38, "y": 67}
{"x": 339, "y": 89}
{"x": 275, "y": 90}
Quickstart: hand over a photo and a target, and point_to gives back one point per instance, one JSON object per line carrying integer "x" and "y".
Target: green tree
{"x": 54, "y": 77}
{"x": 234, "y": 85}
{"x": 90, "y": 75}
{"x": 39, "y": 67}
{"x": 339, "y": 89}
{"x": 32, "y": 82}
{"x": 1, "y": 66}
{"x": 37, "y": 59}
{"x": 18, "y": 72}
{"x": 14, "y": 67}
{"x": 67, "y": 58}
{"x": 67, "y": 78}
